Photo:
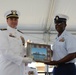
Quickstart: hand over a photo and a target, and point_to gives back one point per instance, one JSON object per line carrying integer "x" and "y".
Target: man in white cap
{"x": 64, "y": 49}
{"x": 12, "y": 60}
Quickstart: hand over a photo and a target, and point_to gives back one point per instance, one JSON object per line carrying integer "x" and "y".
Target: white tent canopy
{"x": 36, "y": 19}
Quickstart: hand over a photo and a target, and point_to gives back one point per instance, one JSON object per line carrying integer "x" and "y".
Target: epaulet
{"x": 20, "y": 31}
{"x": 32, "y": 68}
{"x": 3, "y": 29}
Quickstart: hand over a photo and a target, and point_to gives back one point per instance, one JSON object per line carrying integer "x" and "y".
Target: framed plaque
{"x": 39, "y": 52}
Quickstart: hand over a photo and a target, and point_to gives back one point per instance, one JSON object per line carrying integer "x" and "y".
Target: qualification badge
{"x": 11, "y": 35}
{"x": 62, "y": 40}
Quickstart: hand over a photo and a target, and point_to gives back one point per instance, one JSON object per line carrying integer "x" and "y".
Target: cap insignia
{"x": 57, "y": 17}
{"x": 14, "y": 12}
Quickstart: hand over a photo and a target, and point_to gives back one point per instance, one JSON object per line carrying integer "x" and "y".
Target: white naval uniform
{"x": 63, "y": 45}
{"x": 30, "y": 69}
{"x": 11, "y": 52}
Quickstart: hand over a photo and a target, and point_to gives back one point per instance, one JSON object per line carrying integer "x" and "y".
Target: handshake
{"x": 27, "y": 60}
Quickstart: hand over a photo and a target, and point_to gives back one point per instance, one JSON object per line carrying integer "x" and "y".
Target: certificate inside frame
{"x": 39, "y": 52}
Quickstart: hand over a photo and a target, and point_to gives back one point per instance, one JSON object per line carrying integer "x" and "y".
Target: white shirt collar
{"x": 11, "y": 30}
{"x": 61, "y": 34}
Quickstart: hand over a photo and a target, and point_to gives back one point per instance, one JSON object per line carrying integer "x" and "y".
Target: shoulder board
{"x": 3, "y": 29}
{"x": 32, "y": 68}
{"x": 20, "y": 31}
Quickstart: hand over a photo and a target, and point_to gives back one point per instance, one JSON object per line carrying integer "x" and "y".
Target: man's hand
{"x": 27, "y": 60}
{"x": 51, "y": 62}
